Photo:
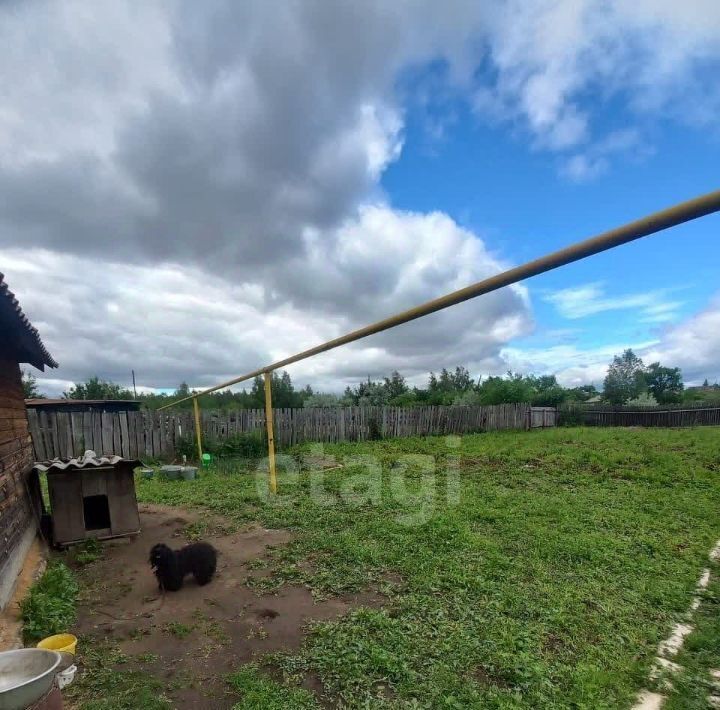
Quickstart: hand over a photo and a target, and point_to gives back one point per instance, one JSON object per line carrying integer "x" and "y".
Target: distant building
{"x": 20, "y": 500}
{"x": 83, "y": 405}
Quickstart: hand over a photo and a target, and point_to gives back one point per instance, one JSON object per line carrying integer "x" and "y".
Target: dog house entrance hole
{"x": 97, "y": 512}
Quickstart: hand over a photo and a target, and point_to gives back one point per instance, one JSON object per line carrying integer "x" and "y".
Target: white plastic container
{"x": 64, "y": 678}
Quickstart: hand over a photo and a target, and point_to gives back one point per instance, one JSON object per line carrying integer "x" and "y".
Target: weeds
{"x": 88, "y": 552}
{"x": 177, "y": 629}
{"x": 50, "y": 606}
{"x": 250, "y": 445}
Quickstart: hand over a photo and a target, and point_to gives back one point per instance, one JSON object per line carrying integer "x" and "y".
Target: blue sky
{"x": 228, "y": 186}
{"x": 492, "y": 179}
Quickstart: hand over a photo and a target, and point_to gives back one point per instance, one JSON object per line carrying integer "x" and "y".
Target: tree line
{"x": 628, "y": 379}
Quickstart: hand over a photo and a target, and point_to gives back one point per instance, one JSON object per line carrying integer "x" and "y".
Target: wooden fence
{"x": 155, "y": 434}
{"x": 682, "y": 415}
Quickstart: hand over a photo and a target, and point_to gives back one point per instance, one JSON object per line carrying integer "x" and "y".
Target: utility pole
{"x": 134, "y": 390}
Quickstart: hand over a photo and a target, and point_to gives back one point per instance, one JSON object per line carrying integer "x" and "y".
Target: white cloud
{"x": 187, "y": 178}
{"x": 596, "y": 159}
{"x": 692, "y": 345}
{"x": 571, "y": 364}
{"x": 591, "y": 299}
{"x": 172, "y": 324}
{"x": 552, "y": 59}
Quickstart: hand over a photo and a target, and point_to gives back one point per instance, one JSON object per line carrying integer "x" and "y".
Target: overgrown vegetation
{"x": 548, "y": 581}
{"x": 251, "y": 445}
{"x": 50, "y": 606}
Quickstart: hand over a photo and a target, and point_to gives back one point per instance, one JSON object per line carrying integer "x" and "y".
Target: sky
{"x": 194, "y": 190}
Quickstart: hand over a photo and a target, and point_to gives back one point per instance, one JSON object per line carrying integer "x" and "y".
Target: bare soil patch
{"x": 192, "y": 638}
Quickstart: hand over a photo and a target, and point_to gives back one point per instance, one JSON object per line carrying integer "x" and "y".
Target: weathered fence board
{"x": 663, "y": 416}
{"x": 156, "y": 434}
{"x": 543, "y": 417}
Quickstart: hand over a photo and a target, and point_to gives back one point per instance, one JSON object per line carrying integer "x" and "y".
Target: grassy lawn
{"x": 700, "y": 655}
{"x": 541, "y": 572}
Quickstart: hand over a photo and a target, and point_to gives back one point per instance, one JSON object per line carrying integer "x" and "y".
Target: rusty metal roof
{"x": 18, "y": 334}
{"x": 88, "y": 460}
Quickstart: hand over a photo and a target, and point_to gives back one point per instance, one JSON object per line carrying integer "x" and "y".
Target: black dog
{"x": 171, "y": 566}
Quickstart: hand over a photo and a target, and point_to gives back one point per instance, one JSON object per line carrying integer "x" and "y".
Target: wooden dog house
{"x": 92, "y": 497}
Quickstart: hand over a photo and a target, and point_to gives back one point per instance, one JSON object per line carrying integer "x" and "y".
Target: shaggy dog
{"x": 171, "y": 566}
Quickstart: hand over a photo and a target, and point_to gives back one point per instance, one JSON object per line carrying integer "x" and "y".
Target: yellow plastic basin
{"x": 64, "y": 643}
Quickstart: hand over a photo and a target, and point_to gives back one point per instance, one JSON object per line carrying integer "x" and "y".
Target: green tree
{"x": 349, "y": 398}
{"x": 395, "y": 385}
{"x": 547, "y": 391}
{"x": 625, "y": 378}
{"x": 581, "y": 393}
{"x": 449, "y": 386}
{"x": 182, "y": 391}
{"x": 30, "y": 386}
{"x": 282, "y": 389}
{"x": 372, "y": 394}
{"x": 664, "y": 383}
{"x": 95, "y": 388}
{"x": 514, "y": 387}
{"x": 322, "y": 400}
{"x": 406, "y": 399}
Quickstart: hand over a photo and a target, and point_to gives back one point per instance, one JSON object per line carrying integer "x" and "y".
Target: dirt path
{"x": 192, "y": 638}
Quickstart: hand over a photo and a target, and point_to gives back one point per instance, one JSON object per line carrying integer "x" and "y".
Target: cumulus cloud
{"x": 213, "y": 133}
{"x": 692, "y": 345}
{"x": 172, "y": 324}
{"x": 550, "y": 56}
{"x": 218, "y": 132}
{"x": 187, "y": 178}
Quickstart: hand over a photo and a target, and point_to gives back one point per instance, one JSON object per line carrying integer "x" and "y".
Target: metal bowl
{"x": 25, "y": 676}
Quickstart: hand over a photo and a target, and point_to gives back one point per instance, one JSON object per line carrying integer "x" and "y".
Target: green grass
{"x": 177, "y": 629}
{"x": 88, "y": 552}
{"x": 107, "y": 682}
{"x": 50, "y": 606}
{"x": 261, "y": 693}
{"x": 546, "y": 581}
{"x": 700, "y": 655}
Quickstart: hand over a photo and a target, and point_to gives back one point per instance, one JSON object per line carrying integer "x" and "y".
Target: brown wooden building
{"x": 19, "y": 502}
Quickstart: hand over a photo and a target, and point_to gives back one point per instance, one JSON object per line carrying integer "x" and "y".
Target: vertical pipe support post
{"x": 270, "y": 434}
{"x": 198, "y": 429}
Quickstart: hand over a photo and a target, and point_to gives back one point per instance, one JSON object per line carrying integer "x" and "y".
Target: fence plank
{"x": 37, "y": 438}
{"x": 107, "y": 433}
{"x": 156, "y": 434}
{"x": 124, "y": 434}
{"x": 76, "y": 422}
{"x": 681, "y": 415}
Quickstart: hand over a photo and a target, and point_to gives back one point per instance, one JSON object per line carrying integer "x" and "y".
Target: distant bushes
{"x": 251, "y": 445}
